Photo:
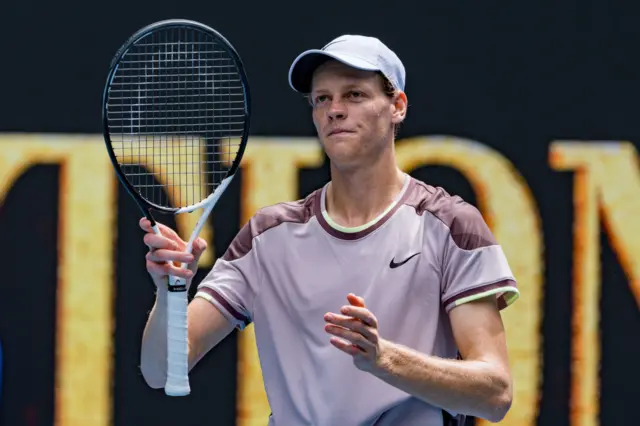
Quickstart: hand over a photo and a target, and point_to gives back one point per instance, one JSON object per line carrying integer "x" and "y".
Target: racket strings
{"x": 176, "y": 116}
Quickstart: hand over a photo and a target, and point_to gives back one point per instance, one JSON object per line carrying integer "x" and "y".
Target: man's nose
{"x": 337, "y": 110}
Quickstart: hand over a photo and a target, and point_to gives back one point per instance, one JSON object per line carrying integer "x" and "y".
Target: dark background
{"x": 514, "y": 75}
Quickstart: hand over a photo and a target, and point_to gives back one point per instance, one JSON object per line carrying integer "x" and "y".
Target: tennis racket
{"x": 176, "y": 109}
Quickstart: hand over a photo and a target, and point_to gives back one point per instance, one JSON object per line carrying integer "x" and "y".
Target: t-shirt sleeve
{"x": 474, "y": 264}
{"x": 232, "y": 283}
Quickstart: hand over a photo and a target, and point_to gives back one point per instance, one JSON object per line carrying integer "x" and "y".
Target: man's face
{"x": 353, "y": 116}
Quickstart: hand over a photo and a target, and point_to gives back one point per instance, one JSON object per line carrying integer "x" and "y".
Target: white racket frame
{"x": 177, "y": 383}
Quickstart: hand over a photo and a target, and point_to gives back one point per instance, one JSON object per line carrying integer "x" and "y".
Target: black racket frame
{"x": 145, "y": 205}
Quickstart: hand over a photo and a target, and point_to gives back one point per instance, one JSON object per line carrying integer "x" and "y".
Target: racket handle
{"x": 177, "y": 345}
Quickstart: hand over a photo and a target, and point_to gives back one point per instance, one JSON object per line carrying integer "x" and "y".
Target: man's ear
{"x": 399, "y": 107}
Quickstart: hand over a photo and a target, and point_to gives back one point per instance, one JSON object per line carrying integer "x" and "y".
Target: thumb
{"x": 355, "y": 300}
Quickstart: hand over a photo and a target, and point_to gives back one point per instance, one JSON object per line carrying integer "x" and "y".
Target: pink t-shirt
{"x": 290, "y": 264}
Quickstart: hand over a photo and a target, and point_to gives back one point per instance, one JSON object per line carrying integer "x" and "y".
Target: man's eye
{"x": 355, "y": 94}
{"x": 320, "y": 99}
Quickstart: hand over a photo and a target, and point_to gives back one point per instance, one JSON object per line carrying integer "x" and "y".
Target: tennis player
{"x": 376, "y": 299}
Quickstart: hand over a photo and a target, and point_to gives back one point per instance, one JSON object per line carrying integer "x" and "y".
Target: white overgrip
{"x": 177, "y": 383}
{"x": 177, "y": 344}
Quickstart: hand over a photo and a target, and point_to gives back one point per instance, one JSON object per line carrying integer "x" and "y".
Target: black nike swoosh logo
{"x": 393, "y": 264}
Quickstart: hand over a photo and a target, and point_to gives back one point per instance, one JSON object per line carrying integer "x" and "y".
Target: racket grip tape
{"x": 177, "y": 345}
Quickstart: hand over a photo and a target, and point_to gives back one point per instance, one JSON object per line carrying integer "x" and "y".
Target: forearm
{"x": 153, "y": 356}
{"x": 473, "y": 388}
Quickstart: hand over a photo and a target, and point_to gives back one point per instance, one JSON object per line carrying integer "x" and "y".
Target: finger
{"x": 145, "y": 225}
{"x": 345, "y": 346}
{"x": 199, "y": 247}
{"x": 162, "y": 255}
{"x": 363, "y": 314}
{"x": 155, "y": 242}
{"x": 166, "y": 269}
{"x": 339, "y": 319}
{"x": 355, "y": 300}
{"x": 351, "y": 324}
{"x": 168, "y": 232}
{"x": 356, "y": 326}
{"x": 175, "y": 271}
{"x": 349, "y": 335}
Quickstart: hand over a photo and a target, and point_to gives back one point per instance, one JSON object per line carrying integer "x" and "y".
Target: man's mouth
{"x": 339, "y": 131}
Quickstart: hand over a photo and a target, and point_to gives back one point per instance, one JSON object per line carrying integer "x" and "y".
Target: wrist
{"x": 161, "y": 293}
{"x": 162, "y": 289}
{"x": 384, "y": 366}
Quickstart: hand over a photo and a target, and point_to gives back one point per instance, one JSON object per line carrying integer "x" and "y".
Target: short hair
{"x": 390, "y": 90}
{"x": 387, "y": 86}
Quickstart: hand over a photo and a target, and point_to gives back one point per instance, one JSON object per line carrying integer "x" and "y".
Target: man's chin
{"x": 344, "y": 158}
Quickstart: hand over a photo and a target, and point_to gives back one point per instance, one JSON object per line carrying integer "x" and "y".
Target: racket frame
{"x": 145, "y": 205}
{"x": 177, "y": 379}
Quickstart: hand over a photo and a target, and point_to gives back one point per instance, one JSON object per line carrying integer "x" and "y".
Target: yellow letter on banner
{"x": 84, "y": 311}
{"x": 607, "y": 180}
{"x": 86, "y": 239}
{"x": 269, "y": 176}
{"x": 171, "y": 161}
{"x": 510, "y": 211}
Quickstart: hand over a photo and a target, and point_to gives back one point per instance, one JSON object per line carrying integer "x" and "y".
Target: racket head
{"x": 152, "y": 64}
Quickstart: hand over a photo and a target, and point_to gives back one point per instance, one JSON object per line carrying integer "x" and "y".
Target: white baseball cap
{"x": 361, "y": 52}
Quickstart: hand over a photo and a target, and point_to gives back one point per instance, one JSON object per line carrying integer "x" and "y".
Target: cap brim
{"x": 303, "y": 67}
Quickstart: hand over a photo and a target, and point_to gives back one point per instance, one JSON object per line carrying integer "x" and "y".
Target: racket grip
{"x": 177, "y": 345}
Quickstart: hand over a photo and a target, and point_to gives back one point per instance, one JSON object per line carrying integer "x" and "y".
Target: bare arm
{"x": 206, "y": 327}
{"x": 480, "y": 385}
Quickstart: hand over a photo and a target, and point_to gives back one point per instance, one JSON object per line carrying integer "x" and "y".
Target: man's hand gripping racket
{"x": 176, "y": 111}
